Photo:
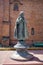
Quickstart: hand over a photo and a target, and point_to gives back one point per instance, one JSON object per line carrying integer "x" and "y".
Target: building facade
{"x": 9, "y": 11}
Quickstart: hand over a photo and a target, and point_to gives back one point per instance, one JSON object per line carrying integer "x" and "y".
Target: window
{"x": 32, "y": 31}
{"x": 16, "y": 8}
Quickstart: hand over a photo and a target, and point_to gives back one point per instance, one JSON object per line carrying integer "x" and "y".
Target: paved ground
{"x": 4, "y": 56}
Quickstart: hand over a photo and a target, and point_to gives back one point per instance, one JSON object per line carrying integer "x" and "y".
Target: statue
{"x": 20, "y": 27}
{"x": 21, "y": 33}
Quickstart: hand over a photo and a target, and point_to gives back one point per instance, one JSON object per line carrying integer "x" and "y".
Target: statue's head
{"x": 21, "y": 14}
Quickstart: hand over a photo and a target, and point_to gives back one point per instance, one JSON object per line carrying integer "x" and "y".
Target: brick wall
{"x": 33, "y": 11}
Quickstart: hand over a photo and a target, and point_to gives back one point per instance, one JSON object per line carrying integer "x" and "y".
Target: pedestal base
{"x": 21, "y": 55}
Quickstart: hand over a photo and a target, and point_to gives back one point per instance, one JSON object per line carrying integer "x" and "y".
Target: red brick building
{"x": 33, "y": 10}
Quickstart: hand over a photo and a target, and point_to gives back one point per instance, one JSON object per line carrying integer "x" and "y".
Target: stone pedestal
{"x": 36, "y": 60}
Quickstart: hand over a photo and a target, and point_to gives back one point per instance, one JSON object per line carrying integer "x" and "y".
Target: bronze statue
{"x": 20, "y": 30}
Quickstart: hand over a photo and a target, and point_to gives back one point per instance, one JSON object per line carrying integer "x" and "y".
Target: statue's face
{"x": 22, "y": 14}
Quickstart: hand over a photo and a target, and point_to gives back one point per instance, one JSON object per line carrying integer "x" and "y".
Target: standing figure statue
{"x": 21, "y": 33}
{"x": 20, "y": 30}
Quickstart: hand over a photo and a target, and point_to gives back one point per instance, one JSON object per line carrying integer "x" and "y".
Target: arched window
{"x": 32, "y": 31}
{"x": 16, "y": 7}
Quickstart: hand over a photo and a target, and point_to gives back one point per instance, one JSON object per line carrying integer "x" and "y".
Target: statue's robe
{"x": 20, "y": 30}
